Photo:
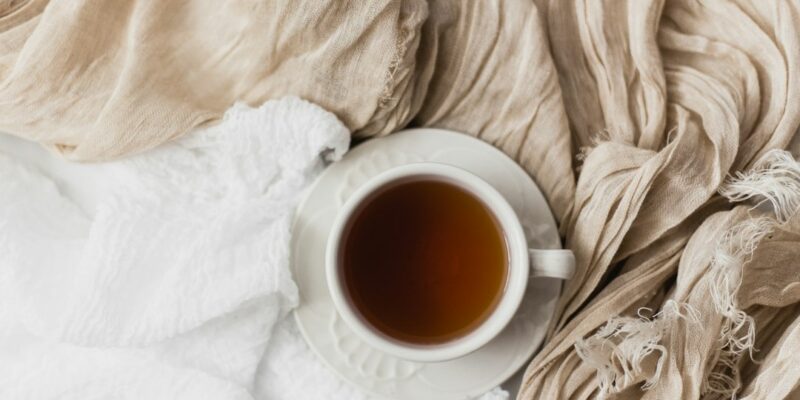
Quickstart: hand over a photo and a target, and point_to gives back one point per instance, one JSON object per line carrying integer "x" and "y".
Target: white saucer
{"x": 372, "y": 370}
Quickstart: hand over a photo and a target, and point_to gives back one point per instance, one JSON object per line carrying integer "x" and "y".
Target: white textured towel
{"x": 163, "y": 276}
{"x": 170, "y": 286}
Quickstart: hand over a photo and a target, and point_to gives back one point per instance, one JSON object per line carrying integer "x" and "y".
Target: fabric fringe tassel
{"x": 738, "y": 330}
{"x": 775, "y": 178}
{"x": 618, "y": 349}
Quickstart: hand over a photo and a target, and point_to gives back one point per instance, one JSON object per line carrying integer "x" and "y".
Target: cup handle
{"x": 555, "y": 263}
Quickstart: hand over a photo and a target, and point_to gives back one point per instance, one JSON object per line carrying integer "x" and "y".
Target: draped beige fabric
{"x": 679, "y": 94}
{"x": 632, "y": 116}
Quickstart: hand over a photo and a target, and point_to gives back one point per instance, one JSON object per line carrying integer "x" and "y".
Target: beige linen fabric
{"x": 632, "y": 115}
{"x": 678, "y": 94}
{"x": 99, "y": 79}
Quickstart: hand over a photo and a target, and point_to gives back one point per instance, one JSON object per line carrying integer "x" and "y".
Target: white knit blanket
{"x": 165, "y": 275}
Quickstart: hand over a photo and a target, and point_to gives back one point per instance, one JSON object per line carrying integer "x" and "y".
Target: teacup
{"x": 521, "y": 263}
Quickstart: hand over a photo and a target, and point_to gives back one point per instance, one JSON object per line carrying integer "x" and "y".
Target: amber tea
{"x": 424, "y": 261}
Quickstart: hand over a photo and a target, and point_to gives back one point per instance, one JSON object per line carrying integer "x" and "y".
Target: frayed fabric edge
{"x": 618, "y": 349}
{"x": 737, "y": 328}
{"x": 775, "y": 178}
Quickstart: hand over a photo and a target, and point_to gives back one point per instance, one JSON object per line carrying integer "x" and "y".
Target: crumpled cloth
{"x": 166, "y": 275}
{"x": 170, "y": 284}
{"x": 670, "y": 100}
{"x": 635, "y": 117}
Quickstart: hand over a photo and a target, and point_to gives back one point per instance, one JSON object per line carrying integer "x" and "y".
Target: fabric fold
{"x": 722, "y": 96}
{"x": 171, "y": 286}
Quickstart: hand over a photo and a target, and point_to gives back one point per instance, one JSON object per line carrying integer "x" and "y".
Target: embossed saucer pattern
{"x": 381, "y": 374}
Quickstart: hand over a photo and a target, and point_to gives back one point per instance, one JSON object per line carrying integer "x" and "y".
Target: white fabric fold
{"x": 170, "y": 286}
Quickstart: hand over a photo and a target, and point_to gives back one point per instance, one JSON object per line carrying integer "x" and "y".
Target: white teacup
{"x": 523, "y": 263}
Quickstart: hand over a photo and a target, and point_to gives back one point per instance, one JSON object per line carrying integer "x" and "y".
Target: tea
{"x": 424, "y": 261}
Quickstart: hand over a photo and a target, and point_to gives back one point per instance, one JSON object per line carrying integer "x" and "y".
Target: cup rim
{"x": 516, "y": 277}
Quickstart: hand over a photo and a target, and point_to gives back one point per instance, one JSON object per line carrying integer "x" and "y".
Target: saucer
{"x": 381, "y": 374}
